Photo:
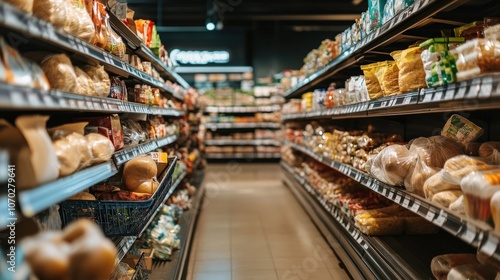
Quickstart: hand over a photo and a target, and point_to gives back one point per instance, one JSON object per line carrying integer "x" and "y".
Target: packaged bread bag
{"x": 411, "y": 69}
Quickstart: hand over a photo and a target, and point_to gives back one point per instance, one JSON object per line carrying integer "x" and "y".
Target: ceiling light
{"x": 210, "y": 26}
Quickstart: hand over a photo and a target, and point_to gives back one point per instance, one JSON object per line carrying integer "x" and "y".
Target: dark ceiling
{"x": 296, "y": 15}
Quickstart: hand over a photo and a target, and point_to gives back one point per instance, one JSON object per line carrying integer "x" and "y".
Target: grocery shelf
{"x": 123, "y": 244}
{"x": 127, "y": 154}
{"x": 475, "y": 94}
{"x": 242, "y": 155}
{"x": 415, "y": 15}
{"x": 370, "y": 257}
{"x": 242, "y": 109}
{"x": 214, "y": 126}
{"x": 40, "y": 198}
{"x": 25, "y": 98}
{"x": 136, "y": 44}
{"x": 470, "y": 231}
{"x": 175, "y": 268}
{"x": 40, "y": 32}
{"x": 235, "y": 142}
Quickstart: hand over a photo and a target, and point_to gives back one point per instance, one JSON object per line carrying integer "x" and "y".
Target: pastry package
{"x": 371, "y": 80}
{"x": 478, "y": 188}
{"x": 377, "y": 222}
{"x": 441, "y": 265}
{"x": 114, "y": 43}
{"x": 100, "y": 77}
{"x": 439, "y": 182}
{"x": 461, "y": 129}
{"x": 40, "y": 81}
{"x": 108, "y": 126}
{"x": 434, "y": 151}
{"x": 445, "y": 198}
{"x": 460, "y": 166}
{"x": 415, "y": 180}
{"x": 411, "y": 69}
{"x": 102, "y": 148}
{"x": 392, "y": 165}
{"x": 490, "y": 152}
{"x": 70, "y": 16}
{"x": 477, "y": 57}
{"x": 13, "y": 66}
{"x": 458, "y": 206}
{"x": 60, "y": 72}
{"x": 439, "y": 62}
{"x": 98, "y": 14}
{"x": 29, "y": 146}
{"x": 390, "y": 79}
{"x": 85, "y": 83}
{"x": 24, "y": 5}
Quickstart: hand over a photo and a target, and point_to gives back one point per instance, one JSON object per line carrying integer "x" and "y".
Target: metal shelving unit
{"x": 419, "y": 14}
{"x": 42, "y": 33}
{"x": 242, "y": 156}
{"x": 369, "y": 257}
{"x": 235, "y": 142}
{"x": 471, "y": 232}
{"x": 25, "y": 98}
{"x": 127, "y": 154}
{"x": 483, "y": 92}
{"x": 242, "y": 109}
{"x": 215, "y": 126}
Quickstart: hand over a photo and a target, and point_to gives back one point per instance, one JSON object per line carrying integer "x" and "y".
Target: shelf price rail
{"x": 468, "y": 230}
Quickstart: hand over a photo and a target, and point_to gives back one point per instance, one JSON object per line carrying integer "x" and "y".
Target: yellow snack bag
{"x": 371, "y": 80}
{"x": 390, "y": 79}
{"x": 411, "y": 69}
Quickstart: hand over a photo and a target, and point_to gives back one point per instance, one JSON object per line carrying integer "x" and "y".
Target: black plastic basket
{"x": 119, "y": 218}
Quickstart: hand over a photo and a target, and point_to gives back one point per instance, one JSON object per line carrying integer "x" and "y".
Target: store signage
{"x": 199, "y": 57}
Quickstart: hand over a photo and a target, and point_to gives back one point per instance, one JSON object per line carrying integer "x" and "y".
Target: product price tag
{"x": 469, "y": 234}
{"x": 384, "y": 191}
{"x": 430, "y": 215}
{"x": 48, "y": 101}
{"x": 475, "y": 88}
{"x": 34, "y": 100}
{"x": 391, "y": 195}
{"x": 407, "y": 100}
{"x": 415, "y": 206}
{"x": 17, "y": 98}
{"x": 491, "y": 245}
{"x": 383, "y": 104}
{"x": 462, "y": 89}
{"x": 370, "y": 107}
{"x": 486, "y": 87}
{"x": 450, "y": 92}
{"x": 441, "y": 219}
{"x": 397, "y": 199}
{"x": 427, "y": 95}
{"x": 406, "y": 202}
{"x": 438, "y": 95}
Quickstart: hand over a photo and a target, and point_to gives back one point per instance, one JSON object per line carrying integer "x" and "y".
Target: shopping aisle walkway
{"x": 251, "y": 227}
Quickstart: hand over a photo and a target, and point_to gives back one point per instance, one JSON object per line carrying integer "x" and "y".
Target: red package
{"x": 108, "y": 126}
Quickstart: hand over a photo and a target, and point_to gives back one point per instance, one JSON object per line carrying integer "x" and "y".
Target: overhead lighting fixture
{"x": 356, "y": 2}
{"x": 210, "y": 26}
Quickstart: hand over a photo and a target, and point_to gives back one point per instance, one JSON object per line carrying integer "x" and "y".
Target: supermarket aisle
{"x": 251, "y": 227}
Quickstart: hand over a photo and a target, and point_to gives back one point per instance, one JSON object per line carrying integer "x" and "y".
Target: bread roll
{"x": 392, "y": 165}
{"x": 436, "y": 150}
{"x": 138, "y": 173}
{"x": 101, "y": 147}
{"x": 68, "y": 157}
{"x": 490, "y": 152}
{"x": 416, "y": 179}
{"x": 82, "y": 196}
{"x": 446, "y": 198}
{"x": 60, "y": 72}
{"x": 85, "y": 83}
{"x": 436, "y": 183}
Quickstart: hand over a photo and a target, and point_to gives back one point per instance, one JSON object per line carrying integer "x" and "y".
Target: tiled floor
{"x": 251, "y": 227}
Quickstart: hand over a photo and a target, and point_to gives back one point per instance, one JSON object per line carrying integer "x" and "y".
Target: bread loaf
{"x": 60, "y": 72}
{"x": 101, "y": 147}
{"x": 490, "y": 151}
{"x": 446, "y": 198}
{"x": 139, "y": 175}
{"x": 437, "y": 183}
{"x": 436, "y": 150}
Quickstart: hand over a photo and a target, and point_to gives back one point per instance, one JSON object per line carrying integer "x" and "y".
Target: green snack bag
{"x": 375, "y": 13}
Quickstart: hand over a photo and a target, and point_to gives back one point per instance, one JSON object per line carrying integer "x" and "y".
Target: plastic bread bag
{"x": 442, "y": 264}
{"x": 102, "y": 148}
{"x": 30, "y": 147}
{"x": 70, "y": 136}
{"x": 446, "y": 198}
{"x": 67, "y": 155}
{"x": 98, "y": 14}
{"x": 458, "y": 206}
{"x": 54, "y": 12}
{"x": 85, "y": 83}
{"x": 114, "y": 43}
{"x": 390, "y": 79}
{"x": 478, "y": 188}
{"x": 102, "y": 82}
{"x": 439, "y": 182}
{"x": 416, "y": 178}
{"x": 60, "y": 72}
{"x": 411, "y": 69}
{"x": 40, "y": 81}
{"x": 461, "y": 129}
{"x": 434, "y": 151}
{"x": 392, "y": 165}
{"x": 14, "y": 67}
{"x": 371, "y": 81}
{"x": 24, "y": 5}
{"x": 84, "y": 28}
{"x": 490, "y": 151}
